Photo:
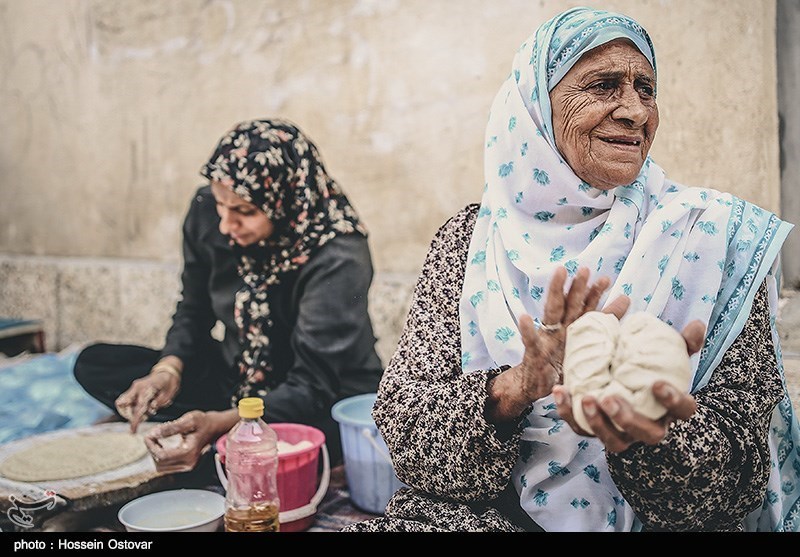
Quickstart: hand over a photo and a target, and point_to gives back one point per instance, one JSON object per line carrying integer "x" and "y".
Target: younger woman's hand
{"x": 146, "y": 396}
{"x": 177, "y": 446}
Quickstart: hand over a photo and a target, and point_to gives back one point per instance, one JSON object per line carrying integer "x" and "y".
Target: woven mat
{"x": 90, "y": 504}
{"x": 336, "y": 510}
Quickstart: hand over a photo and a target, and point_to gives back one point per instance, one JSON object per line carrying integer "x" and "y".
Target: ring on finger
{"x": 550, "y": 328}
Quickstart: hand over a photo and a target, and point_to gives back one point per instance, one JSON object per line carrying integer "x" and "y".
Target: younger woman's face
{"x": 245, "y": 223}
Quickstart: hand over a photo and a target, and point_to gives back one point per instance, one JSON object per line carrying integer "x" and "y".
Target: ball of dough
{"x": 604, "y": 357}
{"x": 649, "y": 350}
{"x": 589, "y": 348}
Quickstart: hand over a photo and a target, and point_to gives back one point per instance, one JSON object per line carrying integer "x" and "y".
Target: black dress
{"x": 323, "y": 345}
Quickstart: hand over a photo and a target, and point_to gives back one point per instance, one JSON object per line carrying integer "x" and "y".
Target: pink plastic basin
{"x": 298, "y": 471}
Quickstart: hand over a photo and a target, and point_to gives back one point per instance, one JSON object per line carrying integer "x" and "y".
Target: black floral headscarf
{"x": 271, "y": 164}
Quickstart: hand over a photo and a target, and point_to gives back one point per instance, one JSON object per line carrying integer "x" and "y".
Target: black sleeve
{"x": 193, "y": 317}
{"x": 332, "y": 341}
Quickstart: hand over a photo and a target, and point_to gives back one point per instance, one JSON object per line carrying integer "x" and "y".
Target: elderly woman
{"x": 575, "y": 216}
{"x": 274, "y": 251}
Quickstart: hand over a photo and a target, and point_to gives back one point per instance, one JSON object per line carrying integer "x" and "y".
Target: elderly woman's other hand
{"x": 632, "y": 427}
{"x": 511, "y": 392}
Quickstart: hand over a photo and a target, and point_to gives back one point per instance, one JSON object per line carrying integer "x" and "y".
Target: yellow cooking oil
{"x": 256, "y": 518}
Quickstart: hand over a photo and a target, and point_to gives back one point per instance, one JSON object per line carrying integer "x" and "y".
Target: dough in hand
{"x": 73, "y": 456}
{"x": 603, "y": 356}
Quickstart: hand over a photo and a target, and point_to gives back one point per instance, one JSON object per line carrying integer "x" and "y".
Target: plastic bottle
{"x": 251, "y": 463}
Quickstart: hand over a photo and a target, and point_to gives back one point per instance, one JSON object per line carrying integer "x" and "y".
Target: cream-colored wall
{"x": 108, "y": 108}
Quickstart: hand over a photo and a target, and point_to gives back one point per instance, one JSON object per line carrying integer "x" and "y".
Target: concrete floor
{"x": 789, "y": 329}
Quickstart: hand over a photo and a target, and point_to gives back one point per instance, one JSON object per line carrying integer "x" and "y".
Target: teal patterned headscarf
{"x": 680, "y": 253}
{"x": 569, "y": 36}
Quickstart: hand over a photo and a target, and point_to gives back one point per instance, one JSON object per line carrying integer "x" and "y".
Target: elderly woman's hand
{"x": 632, "y": 426}
{"x": 511, "y": 392}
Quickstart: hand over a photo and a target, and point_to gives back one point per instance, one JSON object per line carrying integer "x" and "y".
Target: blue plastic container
{"x": 368, "y": 467}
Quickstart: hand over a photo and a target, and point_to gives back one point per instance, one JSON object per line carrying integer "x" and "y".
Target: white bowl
{"x": 179, "y": 510}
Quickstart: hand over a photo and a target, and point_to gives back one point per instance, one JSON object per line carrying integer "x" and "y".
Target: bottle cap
{"x": 251, "y": 407}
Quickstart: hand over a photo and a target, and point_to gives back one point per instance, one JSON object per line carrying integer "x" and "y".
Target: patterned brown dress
{"x": 708, "y": 474}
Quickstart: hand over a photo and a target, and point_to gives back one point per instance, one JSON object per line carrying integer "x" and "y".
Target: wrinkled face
{"x": 605, "y": 114}
{"x": 245, "y": 223}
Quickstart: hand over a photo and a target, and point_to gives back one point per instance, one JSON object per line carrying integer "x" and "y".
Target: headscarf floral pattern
{"x": 273, "y": 165}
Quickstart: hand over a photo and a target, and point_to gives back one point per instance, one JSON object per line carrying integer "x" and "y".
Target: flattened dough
{"x": 73, "y": 456}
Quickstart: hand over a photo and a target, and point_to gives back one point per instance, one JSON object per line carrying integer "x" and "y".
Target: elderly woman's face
{"x": 605, "y": 114}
